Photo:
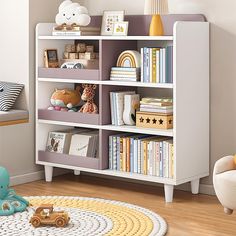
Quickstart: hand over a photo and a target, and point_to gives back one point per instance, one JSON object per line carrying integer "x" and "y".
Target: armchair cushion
{"x": 8, "y": 94}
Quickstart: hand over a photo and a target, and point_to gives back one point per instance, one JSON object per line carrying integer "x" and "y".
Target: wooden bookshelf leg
{"x": 169, "y": 192}
{"x": 48, "y": 173}
{"x": 195, "y": 186}
{"x": 76, "y": 172}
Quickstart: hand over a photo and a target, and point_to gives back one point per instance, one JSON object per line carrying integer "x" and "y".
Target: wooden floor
{"x": 188, "y": 215}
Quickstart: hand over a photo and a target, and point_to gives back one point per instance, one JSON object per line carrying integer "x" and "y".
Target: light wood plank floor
{"x": 188, "y": 215}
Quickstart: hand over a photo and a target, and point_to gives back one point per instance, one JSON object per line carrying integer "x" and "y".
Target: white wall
{"x": 16, "y": 142}
{"x": 222, "y": 16}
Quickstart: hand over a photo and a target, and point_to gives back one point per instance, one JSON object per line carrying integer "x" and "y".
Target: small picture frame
{"x": 51, "y": 58}
{"x": 121, "y": 28}
{"x": 108, "y": 20}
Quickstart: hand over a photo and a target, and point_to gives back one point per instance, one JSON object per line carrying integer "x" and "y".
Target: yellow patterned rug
{"x": 89, "y": 217}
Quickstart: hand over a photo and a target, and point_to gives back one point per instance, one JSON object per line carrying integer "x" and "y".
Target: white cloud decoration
{"x": 70, "y": 13}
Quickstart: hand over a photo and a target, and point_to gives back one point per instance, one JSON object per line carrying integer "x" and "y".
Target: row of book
{"x": 157, "y": 65}
{"x": 142, "y": 154}
{"x": 122, "y": 103}
{"x": 157, "y": 105}
{"x": 125, "y": 74}
{"x": 76, "y": 142}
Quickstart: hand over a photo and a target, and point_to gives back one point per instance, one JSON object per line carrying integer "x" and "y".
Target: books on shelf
{"x": 157, "y": 105}
{"x": 79, "y": 31}
{"x": 157, "y": 65}
{"x": 125, "y": 74}
{"x": 142, "y": 154}
{"x": 117, "y": 106}
{"x": 77, "y": 142}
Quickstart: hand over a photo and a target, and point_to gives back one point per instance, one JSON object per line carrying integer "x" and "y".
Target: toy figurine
{"x": 72, "y": 14}
{"x": 10, "y": 203}
{"x": 88, "y": 96}
{"x": 45, "y": 215}
{"x": 66, "y": 100}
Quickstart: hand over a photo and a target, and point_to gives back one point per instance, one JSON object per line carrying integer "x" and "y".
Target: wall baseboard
{"x": 34, "y": 176}
{"x": 39, "y": 175}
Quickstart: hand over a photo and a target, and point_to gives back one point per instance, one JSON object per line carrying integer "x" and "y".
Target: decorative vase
{"x": 156, "y": 26}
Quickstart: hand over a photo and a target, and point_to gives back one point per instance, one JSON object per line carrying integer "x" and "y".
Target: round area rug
{"x": 88, "y": 217}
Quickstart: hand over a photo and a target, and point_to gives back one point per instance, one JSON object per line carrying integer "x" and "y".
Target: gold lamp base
{"x": 156, "y": 26}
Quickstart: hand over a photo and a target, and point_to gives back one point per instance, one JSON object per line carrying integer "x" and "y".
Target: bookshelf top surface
{"x": 160, "y": 38}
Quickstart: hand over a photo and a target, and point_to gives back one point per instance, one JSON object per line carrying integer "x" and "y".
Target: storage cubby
{"x": 66, "y": 159}
{"x": 189, "y": 90}
{"x": 47, "y": 88}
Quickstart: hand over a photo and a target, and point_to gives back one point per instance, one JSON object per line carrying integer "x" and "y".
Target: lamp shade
{"x": 153, "y": 7}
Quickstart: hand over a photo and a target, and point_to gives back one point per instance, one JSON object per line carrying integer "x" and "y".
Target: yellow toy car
{"x": 45, "y": 215}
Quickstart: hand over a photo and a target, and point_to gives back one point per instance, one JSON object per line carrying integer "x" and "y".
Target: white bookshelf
{"x": 190, "y": 91}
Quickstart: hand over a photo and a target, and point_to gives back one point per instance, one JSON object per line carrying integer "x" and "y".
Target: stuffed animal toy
{"x": 88, "y": 96}
{"x": 72, "y": 14}
{"x": 10, "y": 203}
{"x": 66, "y": 100}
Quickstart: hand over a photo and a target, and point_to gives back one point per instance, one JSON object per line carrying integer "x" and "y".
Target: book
{"x": 114, "y": 152}
{"x": 119, "y": 106}
{"x": 128, "y": 154}
{"x": 112, "y": 105}
{"x": 152, "y": 110}
{"x": 158, "y": 65}
{"x": 82, "y": 145}
{"x": 142, "y": 64}
{"x": 110, "y": 153}
{"x": 58, "y": 142}
{"x": 75, "y": 33}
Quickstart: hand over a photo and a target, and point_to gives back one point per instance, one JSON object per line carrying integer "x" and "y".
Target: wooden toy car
{"x": 45, "y": 215}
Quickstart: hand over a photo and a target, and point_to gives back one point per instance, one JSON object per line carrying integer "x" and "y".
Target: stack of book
{"x": 142, "y": 154}
{"x": 157, "y": 105}
{"x": 76, "y": 142}
{"x": 125, "y": 74}
{"x": 118, "y": 101}
{"x": 157, "y": 65}
{"x": 76, "y": 31}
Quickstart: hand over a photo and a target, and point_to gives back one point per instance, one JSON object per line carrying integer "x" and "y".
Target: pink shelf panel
{"x": 64, "y": 159}
{"x": 58, "y": 73}
{"x": 139, "y": 24}
{"x": 73, "y": 117}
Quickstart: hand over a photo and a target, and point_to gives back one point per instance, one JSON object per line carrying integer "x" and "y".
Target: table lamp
{"x": 156, "y": 8}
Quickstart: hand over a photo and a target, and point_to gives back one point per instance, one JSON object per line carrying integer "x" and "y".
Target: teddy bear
{"x": 65, "y": 100}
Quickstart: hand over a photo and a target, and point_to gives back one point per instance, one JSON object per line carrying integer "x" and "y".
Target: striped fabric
{"x": 8, "y": 94}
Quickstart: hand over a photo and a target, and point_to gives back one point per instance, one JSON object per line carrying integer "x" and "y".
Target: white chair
{"x": 224, "y": 179}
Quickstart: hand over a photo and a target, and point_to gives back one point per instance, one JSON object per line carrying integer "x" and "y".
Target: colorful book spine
{"x": 118, "y": 152}
{"x": 142, "y": 64}
{"x": 153, "y": 70}
{"x": 150, "y": 65}
{"x": 110, "y": 153}
{"x": 158, "y": 66}
{"x": 114, "y": 152}
{"x": 132, "y": 155}
{"x": 135, "y": 159}
{"x": 145, "y": 157}
{"x": 124, "y": 156}
{"x": 121, "y": 154}
{"x": 157, "y": 144}
{"x": 161, "y": 158}
{"x": 127, "y": 154}
{"x": 139, "y": 157}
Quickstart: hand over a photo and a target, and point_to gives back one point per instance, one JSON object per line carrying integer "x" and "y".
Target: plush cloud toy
{"x": 72, "y": 13}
